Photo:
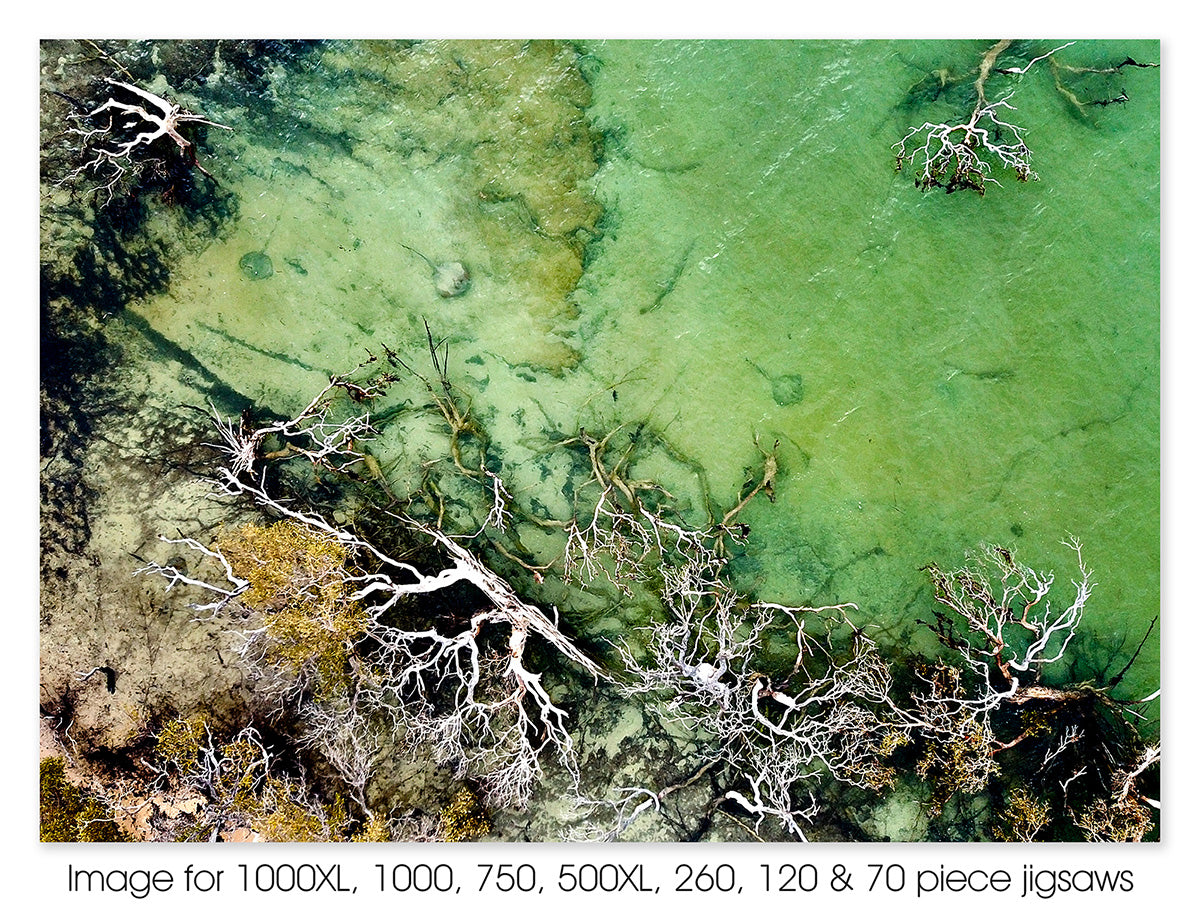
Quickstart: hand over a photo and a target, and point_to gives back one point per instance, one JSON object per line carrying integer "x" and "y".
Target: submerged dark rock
{"x": 787, "y": 389}
{"x": 256, "y": 266}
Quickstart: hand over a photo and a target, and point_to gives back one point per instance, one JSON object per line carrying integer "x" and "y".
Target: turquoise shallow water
{"x": 710, "y": 240}
{"x": 733, "y": 255}
{"x": 972, "y": 368}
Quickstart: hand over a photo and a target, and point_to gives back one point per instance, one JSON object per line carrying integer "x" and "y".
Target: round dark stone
{"x": 256, "y": 265}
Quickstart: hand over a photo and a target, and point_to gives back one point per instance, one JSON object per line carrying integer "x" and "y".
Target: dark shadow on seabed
{"x": 572, "y": 200}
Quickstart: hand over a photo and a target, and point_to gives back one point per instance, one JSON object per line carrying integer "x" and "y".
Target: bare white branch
{"x": 118, "y": 136}
{"x": 960, "y": 155}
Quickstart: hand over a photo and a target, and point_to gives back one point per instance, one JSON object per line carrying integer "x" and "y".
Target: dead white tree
{"x": 768, "y": 731}
{"x": 211, "y": 787}
{"x": 315, "y": 433}
{"x": 208, "y": 788}
{"x": 771, "y": 731}
{"x": 121, "y": 136}
{"x": 999, "y": 619}
{"x": 997, "y": 616}
{"x": 957, "y": 155}
{"x": 461, "y": 689}
{"x": 337, "y": 627}
{"x": 348, "y": 736}
{"x": 1126, "y": 815}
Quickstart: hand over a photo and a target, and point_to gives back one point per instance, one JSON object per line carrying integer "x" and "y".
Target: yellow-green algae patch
{"x": 393, "y": 157}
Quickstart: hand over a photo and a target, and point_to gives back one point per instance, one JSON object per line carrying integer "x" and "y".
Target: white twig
{"x": 123, "y": 141}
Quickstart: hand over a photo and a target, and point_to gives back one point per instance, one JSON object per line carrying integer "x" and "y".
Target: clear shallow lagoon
{"x": 710, "y": 239}
{"x": 940, "y": 370}
{"x": 972, "y": 368}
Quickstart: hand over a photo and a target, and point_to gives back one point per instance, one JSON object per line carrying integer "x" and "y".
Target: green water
{"x": 939, "y": 370}
{"x": 710, "y": 240}
{"x": 973, "y": 368}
